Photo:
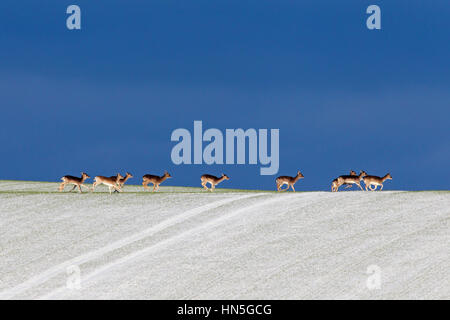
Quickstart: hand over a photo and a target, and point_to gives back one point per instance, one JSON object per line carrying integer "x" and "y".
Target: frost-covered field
{"x": 182, "y": 243}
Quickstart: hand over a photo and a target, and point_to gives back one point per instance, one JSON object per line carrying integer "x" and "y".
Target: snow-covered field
{"x": 183, "y": 243}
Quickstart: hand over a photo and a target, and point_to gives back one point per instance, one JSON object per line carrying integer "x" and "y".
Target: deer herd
{"x": 117, "y": 182}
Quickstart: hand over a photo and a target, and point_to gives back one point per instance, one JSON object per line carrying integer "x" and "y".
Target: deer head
{"x": 167, "y": 175}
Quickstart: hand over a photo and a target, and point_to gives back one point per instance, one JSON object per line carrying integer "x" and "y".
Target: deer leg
{"x": 213, "y": 187}
{"x": 280, "y": 186}
{"x": 292, "y": 186}
{"x": 333, "y": 186}
{"x": 154, "y": 187}
{"x": 359, "y": 185}
{"x": 74, "y": 186}
{"x": 79, "y": 189}
{"x": 204, "y": 185}
{"x": 347, "y": 185}
{"x": 381, "y": 187}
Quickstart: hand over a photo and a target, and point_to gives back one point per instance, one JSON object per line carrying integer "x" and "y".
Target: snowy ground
{"x": 182, "y": 243}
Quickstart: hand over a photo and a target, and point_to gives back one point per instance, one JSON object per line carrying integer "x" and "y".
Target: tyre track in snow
{"x": 167, "y": 242}
{"x": 61, "y": 268}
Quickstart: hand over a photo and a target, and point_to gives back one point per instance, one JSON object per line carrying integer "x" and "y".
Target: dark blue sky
{"x": 106, "y": 98}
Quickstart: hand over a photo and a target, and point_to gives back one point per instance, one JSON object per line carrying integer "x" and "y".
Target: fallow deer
{"x": 375, "y": 181}
{"x": 156, "y": 180}
{"x": 77, "y": 182}
{"x": 212, "y": 180}
{"x": 350, "y": 179}
{"x": 110, "y": 182}
{"x": 290, "y": 181}
{"x": 335, "y": 186}
{"x": 123, "y": 180}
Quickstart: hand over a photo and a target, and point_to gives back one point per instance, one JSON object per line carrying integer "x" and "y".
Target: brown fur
{"x": 77, "y": 182}
{"x": 375, "y": 181}
{"x": 348, "y": 180}
{"x": 212, "y": 180}
{"x": 290, "y": 181}
{"x": 156, "y": 180}
{"x": 110, "y": 182}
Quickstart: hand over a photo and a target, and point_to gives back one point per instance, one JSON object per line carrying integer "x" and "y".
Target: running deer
{"x": 290, "y": 181}
{"x": 375, "y": 181}
{"x": 110, "y": 182}
{"x": 156, "y": 180}
{"x": 350, "y": 179}
{"x": 212, "y": 180}
{"x": 123, "y": 180}
{"x": 77, "y": 182}
{"x": 335, "y": 186}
